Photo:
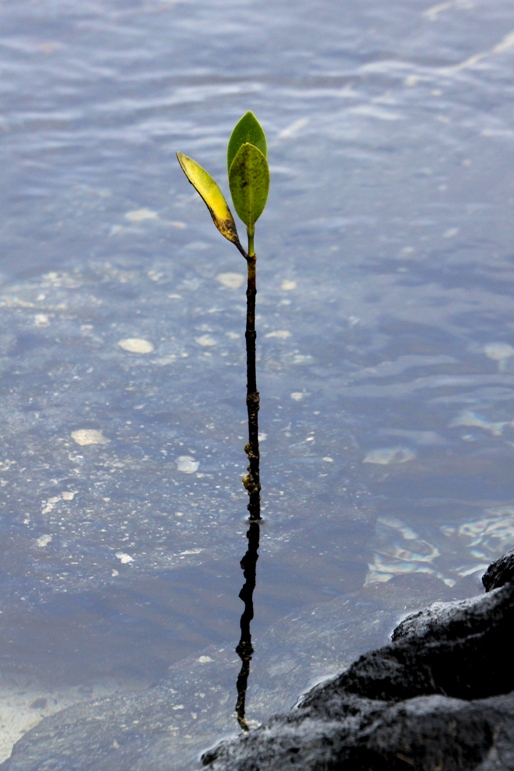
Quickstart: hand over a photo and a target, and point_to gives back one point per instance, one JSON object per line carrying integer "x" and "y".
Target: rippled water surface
{"x": 385, "y": 344}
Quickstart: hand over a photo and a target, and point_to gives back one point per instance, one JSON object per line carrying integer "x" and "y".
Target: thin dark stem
{"x": 245, "y": 649}
{"x": 251, "y": 480}
{"x": 238, "y": 245}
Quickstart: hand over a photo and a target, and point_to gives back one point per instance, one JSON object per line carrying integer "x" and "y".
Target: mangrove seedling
{"x": 248, "y": 178}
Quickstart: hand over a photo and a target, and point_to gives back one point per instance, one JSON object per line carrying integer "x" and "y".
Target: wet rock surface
{"x": 439, "y": 696}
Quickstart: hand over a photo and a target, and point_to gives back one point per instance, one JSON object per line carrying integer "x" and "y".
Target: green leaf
{"x": 214, "y": 199}
{"x": 249, "y": 184}
{"x": 248, "y": 129}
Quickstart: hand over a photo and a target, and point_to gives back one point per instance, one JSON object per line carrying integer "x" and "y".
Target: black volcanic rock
{"x": 440, "y": 697}
{"x": 500, "y": 572}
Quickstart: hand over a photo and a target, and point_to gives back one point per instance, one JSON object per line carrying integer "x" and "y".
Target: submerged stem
{"x": 245, "y": 649}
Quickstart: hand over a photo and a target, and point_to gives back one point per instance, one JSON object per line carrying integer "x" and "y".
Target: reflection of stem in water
{"x": 245, "y": 650}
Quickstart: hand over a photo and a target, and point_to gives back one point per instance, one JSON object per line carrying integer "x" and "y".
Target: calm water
{"x": 386, "y": 354}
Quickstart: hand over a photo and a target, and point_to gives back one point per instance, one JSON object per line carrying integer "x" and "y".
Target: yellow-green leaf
{"x": 214, "y": 199}
{"x": 247, "y": 129}
{"x": 249, "y": 184}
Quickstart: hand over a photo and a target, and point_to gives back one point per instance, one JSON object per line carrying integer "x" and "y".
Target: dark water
{"x": 386, "y": 353}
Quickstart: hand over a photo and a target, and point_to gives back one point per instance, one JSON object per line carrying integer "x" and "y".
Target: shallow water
{"x": 386, "y": 353}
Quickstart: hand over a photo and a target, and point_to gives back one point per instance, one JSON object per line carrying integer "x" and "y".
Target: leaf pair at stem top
{"x": 248, "y": 177}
